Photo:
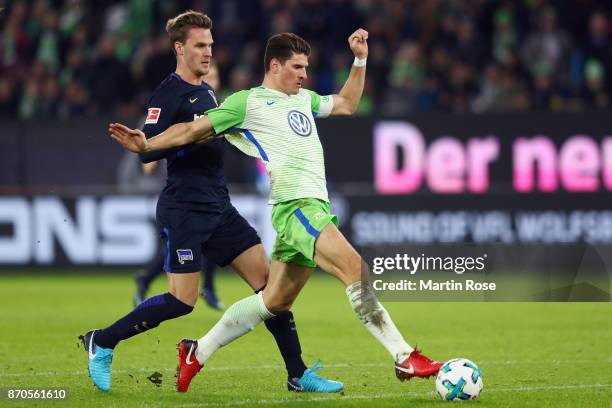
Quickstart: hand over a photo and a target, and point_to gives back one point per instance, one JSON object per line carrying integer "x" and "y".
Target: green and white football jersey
{"x": 280, "y": 130}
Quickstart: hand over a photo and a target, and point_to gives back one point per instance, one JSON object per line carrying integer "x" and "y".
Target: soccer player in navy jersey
{"x": 196, "y": 218}
{"x": 145, "y": 277}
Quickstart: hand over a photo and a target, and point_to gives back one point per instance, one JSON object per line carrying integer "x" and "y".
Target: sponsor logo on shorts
{"x": 152, "y": 116}
{"x": 184, "y": 255}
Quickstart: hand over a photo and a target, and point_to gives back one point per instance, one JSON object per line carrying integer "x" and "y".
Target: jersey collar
{"x": 177, "y": 76}
{"x": 274, "y": 91}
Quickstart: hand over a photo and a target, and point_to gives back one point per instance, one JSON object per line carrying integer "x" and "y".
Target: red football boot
{"x": 417, "y": 365}
{"x": 188, "y": 365}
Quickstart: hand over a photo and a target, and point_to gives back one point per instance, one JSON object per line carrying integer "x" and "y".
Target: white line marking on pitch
{"x": 279, "y": 367}
{"x": 385, "y": 396}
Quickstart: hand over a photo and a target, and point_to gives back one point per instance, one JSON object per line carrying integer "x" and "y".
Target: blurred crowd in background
{"x": 69, "y": 58}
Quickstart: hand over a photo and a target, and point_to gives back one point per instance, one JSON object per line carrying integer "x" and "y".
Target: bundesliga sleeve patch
{"x": 152, "y": 116}
{"x": 326, "y": 105}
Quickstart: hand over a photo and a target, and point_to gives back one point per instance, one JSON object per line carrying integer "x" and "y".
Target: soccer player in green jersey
{"x": 275, "y": 122}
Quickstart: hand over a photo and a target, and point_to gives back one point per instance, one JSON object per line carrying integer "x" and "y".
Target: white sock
{"x": 376, "y": 318}
{"x": 241, "y": 317}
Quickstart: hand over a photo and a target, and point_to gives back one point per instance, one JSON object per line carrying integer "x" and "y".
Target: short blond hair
{"x": 179, "y": 26}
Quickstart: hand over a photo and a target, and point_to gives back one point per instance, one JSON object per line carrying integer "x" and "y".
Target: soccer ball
{"x": 459, "y": 379}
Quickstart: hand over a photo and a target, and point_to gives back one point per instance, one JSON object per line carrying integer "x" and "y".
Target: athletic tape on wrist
{"x": 360, "y": 62}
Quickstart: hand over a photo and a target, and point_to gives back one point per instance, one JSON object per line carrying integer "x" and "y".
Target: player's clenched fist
{"x": 131, "y": 139}
{"x": 358, "y": 41}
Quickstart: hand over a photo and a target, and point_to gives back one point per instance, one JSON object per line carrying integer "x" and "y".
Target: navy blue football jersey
{"x": 195, "y": 171}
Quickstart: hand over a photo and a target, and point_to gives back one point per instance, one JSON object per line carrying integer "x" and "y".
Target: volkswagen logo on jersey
{"x": 299, "y": 123}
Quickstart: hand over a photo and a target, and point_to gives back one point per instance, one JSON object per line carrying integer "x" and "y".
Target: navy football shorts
{"x": 219, "y": 233}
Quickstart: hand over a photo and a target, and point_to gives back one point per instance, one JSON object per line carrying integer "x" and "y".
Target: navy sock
{"x": 145, "y": 316}
{"x": 209, "y": 270}
{"x": 284, "y": 331}
{"x": 154, "y": 269}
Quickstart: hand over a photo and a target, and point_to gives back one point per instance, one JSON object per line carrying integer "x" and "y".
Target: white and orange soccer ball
{"x": 459, "y": 379}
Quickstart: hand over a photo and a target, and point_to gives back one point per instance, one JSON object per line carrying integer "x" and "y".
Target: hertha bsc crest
{"x": 184, "y": 255}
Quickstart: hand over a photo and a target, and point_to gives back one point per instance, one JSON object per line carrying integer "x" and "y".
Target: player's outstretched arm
{"x": 345, "y": 103}
{"x": 176, "y": 135}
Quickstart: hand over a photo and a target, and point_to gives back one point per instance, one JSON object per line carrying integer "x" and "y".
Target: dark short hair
{"x": 179, "y": 26}
{"x": 283, "y": 46}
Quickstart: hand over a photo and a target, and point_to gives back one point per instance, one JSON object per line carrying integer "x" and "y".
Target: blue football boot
{"x": 100, "y": 360}
{"x": 210, "y": 297}
{"x": 312, "y": 382}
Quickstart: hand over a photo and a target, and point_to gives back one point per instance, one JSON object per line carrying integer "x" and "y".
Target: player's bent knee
{"x": 188, "y": 298}
{"x": 259, "y": 275}
{"x": 351, "y": 268}
{"x": 278, "y": 305}
{"x": 253, "y": 267}
{"x": 278, "y": 308}
{"x": 175, "y": 307}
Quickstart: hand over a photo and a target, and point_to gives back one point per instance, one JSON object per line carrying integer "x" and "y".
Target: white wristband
{"x": 360, "y": 62}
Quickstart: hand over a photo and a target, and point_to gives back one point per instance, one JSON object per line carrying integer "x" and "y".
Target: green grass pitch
{"x": 530, "y": 354}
